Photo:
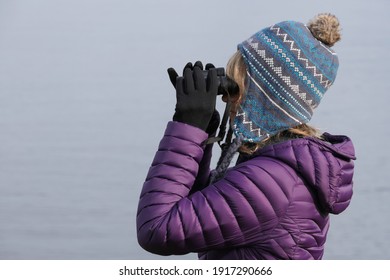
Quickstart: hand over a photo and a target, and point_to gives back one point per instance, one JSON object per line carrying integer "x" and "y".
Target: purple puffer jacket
{"x": 274, "y": 205}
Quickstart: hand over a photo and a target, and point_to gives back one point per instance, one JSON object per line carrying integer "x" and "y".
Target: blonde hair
{"x": 236, "y": 70}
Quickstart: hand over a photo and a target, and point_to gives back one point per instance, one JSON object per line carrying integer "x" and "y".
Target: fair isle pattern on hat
{"x": 288, "y": 72}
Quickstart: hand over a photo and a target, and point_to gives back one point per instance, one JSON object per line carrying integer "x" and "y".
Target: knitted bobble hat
{"x": 289, "y": 68}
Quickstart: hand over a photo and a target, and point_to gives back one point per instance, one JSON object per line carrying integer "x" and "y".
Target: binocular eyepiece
{"x": 225, "y": 84}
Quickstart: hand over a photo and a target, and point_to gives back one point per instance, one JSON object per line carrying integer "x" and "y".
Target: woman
{"x": 275, "y": 202}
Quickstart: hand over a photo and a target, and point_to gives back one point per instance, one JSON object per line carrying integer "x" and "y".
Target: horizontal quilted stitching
{"x": 266, "y": 207}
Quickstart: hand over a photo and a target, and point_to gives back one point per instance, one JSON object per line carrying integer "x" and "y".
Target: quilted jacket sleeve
{"x": 171, "y": 221}
{"x": 204, "y": 169}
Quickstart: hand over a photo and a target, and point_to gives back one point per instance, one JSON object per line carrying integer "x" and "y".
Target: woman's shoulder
{"x": 265, "y": 176}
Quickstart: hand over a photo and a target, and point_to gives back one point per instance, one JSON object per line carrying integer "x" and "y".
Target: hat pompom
{"x": 326, "y": 28}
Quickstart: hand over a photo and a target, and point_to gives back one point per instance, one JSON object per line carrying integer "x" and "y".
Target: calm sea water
{"x": 84, "y": 100}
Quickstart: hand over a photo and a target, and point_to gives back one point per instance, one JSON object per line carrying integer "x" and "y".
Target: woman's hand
{"x": 195, "y": 95}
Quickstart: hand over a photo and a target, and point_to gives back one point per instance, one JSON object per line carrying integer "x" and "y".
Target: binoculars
{"x": 225, "y": 84}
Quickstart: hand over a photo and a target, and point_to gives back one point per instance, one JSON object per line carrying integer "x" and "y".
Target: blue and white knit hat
{"x": 288, "y": 72}
{"x": 289, "y": 68}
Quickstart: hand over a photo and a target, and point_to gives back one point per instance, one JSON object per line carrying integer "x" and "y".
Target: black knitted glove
{"x": 195, "y": 95}
{"x": 215, "y": 118}
{"x": 213, "y": 124}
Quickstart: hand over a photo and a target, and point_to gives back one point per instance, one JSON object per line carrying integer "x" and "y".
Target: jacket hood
{"x": 326, "y": 167}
